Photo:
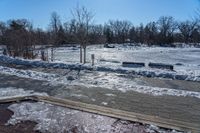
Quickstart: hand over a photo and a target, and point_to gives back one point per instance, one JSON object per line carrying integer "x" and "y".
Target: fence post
{"x": 92, "y": 57}
{"x": 52, "y": 54}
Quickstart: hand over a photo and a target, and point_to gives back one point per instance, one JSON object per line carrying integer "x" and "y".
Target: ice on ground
{"x": 10, "y": 92}
{"x": 56, "y": 119}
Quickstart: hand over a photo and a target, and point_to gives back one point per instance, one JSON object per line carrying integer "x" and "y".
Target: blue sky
{"x": 137, "y": 11}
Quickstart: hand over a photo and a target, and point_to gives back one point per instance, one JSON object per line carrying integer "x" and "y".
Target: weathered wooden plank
{"x": 120, "y": 114}
{"x": 161, "y": 66}
{"x": 133, "y": 64}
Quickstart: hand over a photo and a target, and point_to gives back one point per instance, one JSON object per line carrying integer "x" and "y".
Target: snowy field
{"x": 186, "y": 61}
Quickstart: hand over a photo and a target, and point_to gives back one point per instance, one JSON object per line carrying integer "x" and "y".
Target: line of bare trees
{"x": 20, "y": 35}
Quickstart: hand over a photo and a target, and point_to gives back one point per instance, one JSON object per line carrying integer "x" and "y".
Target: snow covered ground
{"x": 184, "y": 59}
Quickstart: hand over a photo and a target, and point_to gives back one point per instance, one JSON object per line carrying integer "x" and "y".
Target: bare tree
{"x": 151, "y": 32}
{"x": 18, "y": 37}
{"x": 186, "y": 29}
{"x": 120, "y": 29}
{"x": 55, "y": 25}
{"x": 167, "y": 26}
{"x": 2, "y": 31}
{"x": 83, "y": 19}
{"x": 96, "y": 35}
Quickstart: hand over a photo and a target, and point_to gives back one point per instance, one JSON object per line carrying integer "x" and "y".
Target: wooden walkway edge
{"x": 110, "y": 112}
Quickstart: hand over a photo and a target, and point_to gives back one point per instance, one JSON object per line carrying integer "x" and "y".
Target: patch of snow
{"x": 52, "y": 78}
{"x": 153, "y": 129}
{"x": 27, "y": 73}
{"x": 78, "y": 95}
{"x": 104, "y": 103}
{"x": 111, "y": 95}
{"x": 10, "y": 92}
{"x": 93, "y": 99}
{"x": 156, "y": 91}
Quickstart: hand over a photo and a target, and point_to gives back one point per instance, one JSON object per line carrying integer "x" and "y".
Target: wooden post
{"x": 81, "y": 54}
{"x": 92, "y": 57}
{"x": 84, "y": 58}
{"x": 52, "y": 54}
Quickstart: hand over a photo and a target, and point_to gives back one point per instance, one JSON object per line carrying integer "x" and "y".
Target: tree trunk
{"x": 84, "y": 54}
{"x": 81, "y": 54}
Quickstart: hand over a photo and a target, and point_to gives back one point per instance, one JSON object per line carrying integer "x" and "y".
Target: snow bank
{"x": 182, "y": 75}
{"x": 10, "y": 92}
{"x": 159, "y": 73}
{"x": 28, "y": 74}
{"x": 56, "y": 119}
{"x": 18, "y": 61}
